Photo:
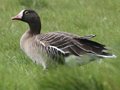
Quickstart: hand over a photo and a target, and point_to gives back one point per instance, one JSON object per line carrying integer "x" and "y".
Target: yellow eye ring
{"x": 26, "y": 13}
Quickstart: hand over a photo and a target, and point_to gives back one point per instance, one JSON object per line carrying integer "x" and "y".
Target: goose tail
{"x": 106, "y": 55}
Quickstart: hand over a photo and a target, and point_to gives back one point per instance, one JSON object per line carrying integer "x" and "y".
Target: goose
{"x": 44, "y": 48}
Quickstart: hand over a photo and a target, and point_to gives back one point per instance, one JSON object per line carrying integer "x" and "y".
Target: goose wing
{"x": 71, "y": 44}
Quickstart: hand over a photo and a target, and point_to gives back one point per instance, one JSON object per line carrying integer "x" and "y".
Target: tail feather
{"x": 107, "y": 55}
{"x": 87, "y": 46}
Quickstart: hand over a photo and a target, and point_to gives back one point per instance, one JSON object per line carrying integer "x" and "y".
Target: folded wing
{"x": 67, "y": 44}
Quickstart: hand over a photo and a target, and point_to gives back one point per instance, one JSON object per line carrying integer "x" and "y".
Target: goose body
{"x": 56, "y": 46}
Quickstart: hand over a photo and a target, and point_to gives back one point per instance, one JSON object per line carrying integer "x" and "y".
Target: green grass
{"x": 81, "y": 17}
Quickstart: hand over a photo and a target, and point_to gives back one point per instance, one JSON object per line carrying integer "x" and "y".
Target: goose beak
{"x": 18, "y": 17}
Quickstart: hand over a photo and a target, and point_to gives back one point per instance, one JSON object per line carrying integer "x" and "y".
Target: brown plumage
{"x": 55, "y": 46}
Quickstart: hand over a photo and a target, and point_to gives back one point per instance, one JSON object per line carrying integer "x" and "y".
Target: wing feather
{"x": 69, "y": 43}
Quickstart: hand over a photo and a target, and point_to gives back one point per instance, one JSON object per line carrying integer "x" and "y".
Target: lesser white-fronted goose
{"x": 56, "y": 46}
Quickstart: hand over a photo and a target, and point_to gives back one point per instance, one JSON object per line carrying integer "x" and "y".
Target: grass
{"x": 81, "y": 17}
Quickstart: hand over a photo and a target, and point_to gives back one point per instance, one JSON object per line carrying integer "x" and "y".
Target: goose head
{"x": 30, "y": 17}
{"x": 26, "y": 16}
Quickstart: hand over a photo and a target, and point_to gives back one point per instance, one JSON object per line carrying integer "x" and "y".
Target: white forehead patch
{"x": 21, "y": 13}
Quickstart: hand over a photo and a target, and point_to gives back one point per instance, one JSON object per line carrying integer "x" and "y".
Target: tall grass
{"x": 81, "y": 17}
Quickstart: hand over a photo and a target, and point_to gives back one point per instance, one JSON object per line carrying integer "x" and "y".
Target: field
{"x": 81, "y": 17}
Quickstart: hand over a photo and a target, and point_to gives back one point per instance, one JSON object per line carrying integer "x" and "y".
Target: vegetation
{"x": 81, "y": 17}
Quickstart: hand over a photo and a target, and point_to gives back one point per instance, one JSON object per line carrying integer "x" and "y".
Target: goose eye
{"x": 26, "y": 13}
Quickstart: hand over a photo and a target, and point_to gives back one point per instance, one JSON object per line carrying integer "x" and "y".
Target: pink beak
{"x": 18, "y": 17}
